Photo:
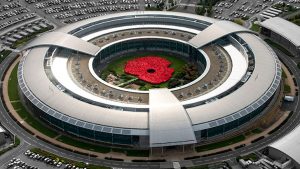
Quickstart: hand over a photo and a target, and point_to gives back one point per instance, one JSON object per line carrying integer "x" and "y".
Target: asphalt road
{"x": 27, "y": 140}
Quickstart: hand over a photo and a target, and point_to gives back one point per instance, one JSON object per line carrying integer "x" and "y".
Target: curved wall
{"x": 117, "y": 126}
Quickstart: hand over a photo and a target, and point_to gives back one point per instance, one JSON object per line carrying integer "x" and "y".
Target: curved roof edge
{"x": 286, "y": 29}
{"x": 169, "y": 123}
{"x": 79, "y": 24}
{"x": 64, "y": 40}
{"x": 215, "y": 31}
{"x": 289, "y": 144}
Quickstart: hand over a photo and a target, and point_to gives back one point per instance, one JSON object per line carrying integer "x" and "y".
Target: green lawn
{"x": 65, "y": 160}
{"x": 287, "y": 88}
{"x": 297, "y": 22}
{"x": 129, "y": 152}
{"x": 255, "y": 27}
{"x": 256, "y": 131}
{"x": 13, "y": 85}
{"x": 221, "y": 144}
{"x": 33, "y": 122}
{"x": 83, "y": 145}
{"x": 137, "y": 153}
{"x": 101, "y": 149}
{"x": 283, "y": 74}
{"x": 239, "y": 21}
{"x": 252, "y": 157}
{"x": 21, "y": 110}
{"x": 4, "y": 54}
{"x": 281, "y": 48}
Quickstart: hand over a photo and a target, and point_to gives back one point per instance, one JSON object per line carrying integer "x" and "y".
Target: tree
{"x": 200, "y": 10}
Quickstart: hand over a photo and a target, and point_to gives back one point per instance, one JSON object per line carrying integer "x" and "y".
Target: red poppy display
{"x": 152, "y": 69}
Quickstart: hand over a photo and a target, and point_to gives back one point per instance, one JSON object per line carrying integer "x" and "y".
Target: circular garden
{"x": 149, "y": 70}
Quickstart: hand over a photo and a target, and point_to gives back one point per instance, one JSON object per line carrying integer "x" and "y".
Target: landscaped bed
{"x": 221, "y": 144}
{"x": 146, "y": 71}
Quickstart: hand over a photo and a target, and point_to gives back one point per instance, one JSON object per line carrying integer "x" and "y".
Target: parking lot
{"x": 231, "y": 9}
{"x": 30, "y": 160}
{"x": 245, "y": 9}
{"x": 69, "y": 11}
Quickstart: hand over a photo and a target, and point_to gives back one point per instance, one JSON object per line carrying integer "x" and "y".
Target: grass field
{"x": 255, "y": 27}
{"x": 256, "y": 131}
{"x": 83, "y": 145}
{"x": 287, "y": 88}
{"x": 220, "y": 144}
{"x": 283, "y": 74}
{"x": 252, "y": 157}
{"x": 101, "y": 149}
{"x": 13, "y": 85}
{"x": 117, "y": 67}
{"x": 138, "y": 153}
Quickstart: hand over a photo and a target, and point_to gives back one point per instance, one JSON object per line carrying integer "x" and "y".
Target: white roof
{"x": 260, "y": 81}
{"x": 75, "y": 25}
{"x": 166, "y": 112}
{"x": 168, "y": 121}
{"x": 64, "y": 40}
{"x": 130, "y": 27}
{"x": 238, "y": 70}
{"x": 215, "y": 31}
{"x": 289, "y": 144}
{"x": 44, "y": 89}
{"x": 284, "y": 28}
{"x": 1, "y": 130}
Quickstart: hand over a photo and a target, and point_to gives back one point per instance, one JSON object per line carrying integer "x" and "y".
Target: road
{"x": 28, "y": 140}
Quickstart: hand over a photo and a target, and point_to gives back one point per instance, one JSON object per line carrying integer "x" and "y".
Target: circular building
{"x": 238, "y": 74}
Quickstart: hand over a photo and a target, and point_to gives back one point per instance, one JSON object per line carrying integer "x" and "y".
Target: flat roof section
{"x": 133, "y": 27}
{"x": 284, "y": 28}
{"x": 168, "y": 121}
{"x": 64, "y": 40}
{"x": 250, "y": 92}
{"x": 289, "y": 144}
{"x": 50, "y": 95}
{"x": 179, "y": 15}
{"x": 216, "y": 31}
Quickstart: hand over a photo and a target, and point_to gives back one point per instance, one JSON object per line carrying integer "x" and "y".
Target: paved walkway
{"x": 168, "y": 156}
